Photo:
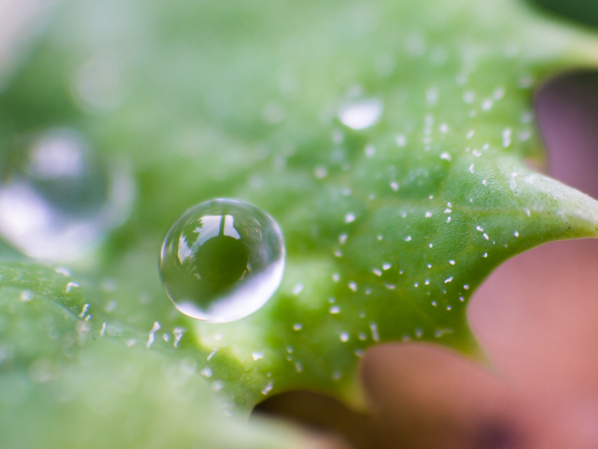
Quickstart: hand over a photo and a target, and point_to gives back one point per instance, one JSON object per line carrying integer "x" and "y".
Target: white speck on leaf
{"x": 374, "y": 330}
{"x": 152, "y": 334}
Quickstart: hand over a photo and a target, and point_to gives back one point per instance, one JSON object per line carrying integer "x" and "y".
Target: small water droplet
{"x": 63, "y": 270}
{"x": 360, "y": 113}
{"x": 320, "y": 172}
{"x": 58, "y": 198}
{"x": 26, "y": 295}
{"x": 267, "y": 388}
{"x": 178, "y": 335}
{"x": 152, "y": 335}
{"x": 222, "y": 260}
{"x": 374, "y": 330}
{"x": 212, "y": 354}
{"x": 84, "y": 310}
{"x": 70, "y": 286}
{"x": 99, "y": 85}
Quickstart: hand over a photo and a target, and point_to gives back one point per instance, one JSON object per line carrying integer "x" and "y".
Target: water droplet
{"x": 70, "y": 286}
{"x": 360, "y": 113}
{"x": 98, "y": 85}
{"x": 84, "y": 310}
{"x": 222, "y": 260}
{"x": 26, "y": 295}
{"x": 211, "y": 354}
{"x": 152, "y": 335}
{"x": 370, "y": 151}
{"x": 267, "y": 388}
{"x": 58, "y": 198}
{"x": 374, "y": 330}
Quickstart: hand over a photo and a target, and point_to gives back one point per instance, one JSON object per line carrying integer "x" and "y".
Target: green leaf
{"x": 78, "y": 385}
{"x": 388, "y": 228}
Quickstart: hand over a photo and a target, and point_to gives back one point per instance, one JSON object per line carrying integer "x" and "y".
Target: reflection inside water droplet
{"x": 222, "y": 260}
{"x": 360, "y": 113}
{"x": 57, "y": 197}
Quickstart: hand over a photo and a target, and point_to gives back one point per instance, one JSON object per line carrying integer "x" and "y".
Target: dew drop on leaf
{"x": 222, "y": 260}
{"x": 57, "y": 197}
{"x": 360, "y": 113}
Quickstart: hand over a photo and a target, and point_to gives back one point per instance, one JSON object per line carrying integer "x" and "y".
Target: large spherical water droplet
{"x": 222, "y": 260}
{"x": 58, "y": 198}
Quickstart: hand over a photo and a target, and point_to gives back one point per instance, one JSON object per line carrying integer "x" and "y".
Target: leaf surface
{"x": 388, "y": 139}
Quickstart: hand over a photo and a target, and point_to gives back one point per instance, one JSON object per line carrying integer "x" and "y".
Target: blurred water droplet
{"x": 360, "y": 113}
{"x": 57, "y": 198}
{"x": 98, "y": 85}
{"x": 222, "y": 260}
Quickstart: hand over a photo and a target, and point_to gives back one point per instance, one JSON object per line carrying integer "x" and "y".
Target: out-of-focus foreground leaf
{"x": 64, "y": 384}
